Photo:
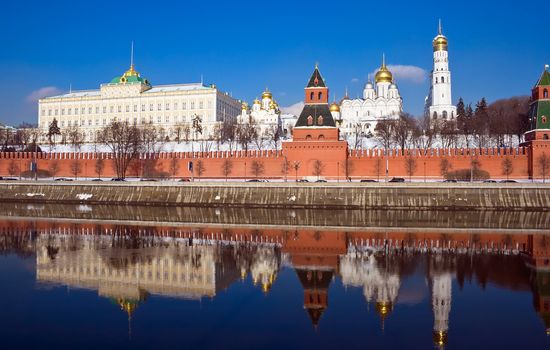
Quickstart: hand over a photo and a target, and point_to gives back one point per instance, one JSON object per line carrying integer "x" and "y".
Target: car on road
{"x": 489, "y": 181}
{"x": 321, "y": 180}
{"x": 302, "y": 180}
{"x": 63, "y": 179}
{"x": 368, "y": 180}
{"x": 118, "y": 179}
{"x": 149, "y": 180}
{"x": 9, "y": 179}
{"x": 397, "y": 179}
{"x": 450, "y": 180}
{"x": 508, "y": 181}
{"x": 97, "y": 180}
{"x": 184, "y": 179}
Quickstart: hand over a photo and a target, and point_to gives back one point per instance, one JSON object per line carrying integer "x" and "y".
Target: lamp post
{"x": 424, "y": 171}
{"x": 338, "y": 171}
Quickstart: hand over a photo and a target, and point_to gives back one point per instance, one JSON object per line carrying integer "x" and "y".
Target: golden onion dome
{"x": 440, "y": 43}
{"x": 256, "y": 102}
{"x": 334, "y": 107}
{"x": 383, "y": 75}
{"x": 266, "y": 94}
{"x": 244, "y": 105}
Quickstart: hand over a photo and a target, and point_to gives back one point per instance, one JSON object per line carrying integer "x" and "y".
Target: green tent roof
{"x": 544, "y": 78}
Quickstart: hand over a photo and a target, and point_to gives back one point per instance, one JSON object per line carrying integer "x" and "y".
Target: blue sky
{"x": 497, "y": 49}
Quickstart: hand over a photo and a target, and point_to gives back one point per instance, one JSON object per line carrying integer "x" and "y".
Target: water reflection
{"x": 127, "y": 264}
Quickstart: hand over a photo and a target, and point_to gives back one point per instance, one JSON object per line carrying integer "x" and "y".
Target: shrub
{"x": 464, "y": 175}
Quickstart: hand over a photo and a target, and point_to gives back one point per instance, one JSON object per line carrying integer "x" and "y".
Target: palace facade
{"x": 133, "y": 99}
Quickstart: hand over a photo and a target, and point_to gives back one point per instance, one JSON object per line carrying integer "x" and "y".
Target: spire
{"x": 439, "y": 29}
{"x": 383, "y": 60}
{"x": 132, "y": 56}
{"x": 316, "y": 80}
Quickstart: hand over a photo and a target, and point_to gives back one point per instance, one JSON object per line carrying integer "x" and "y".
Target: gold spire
{"x": 383, "y": 75}
{"x": 440, "y": 42}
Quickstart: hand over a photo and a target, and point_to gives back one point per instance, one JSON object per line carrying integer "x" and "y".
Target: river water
{"x": 192, "y": 278}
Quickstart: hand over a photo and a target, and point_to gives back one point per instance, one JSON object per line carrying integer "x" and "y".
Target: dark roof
{"x": 315, "y": 279}
{"x": 316, "y": 79}
{"x": 544, "y": 79}
{"x": 315, "y": 315}
{"x": 316, "y": 110}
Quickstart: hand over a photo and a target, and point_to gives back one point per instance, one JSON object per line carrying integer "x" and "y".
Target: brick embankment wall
{"x": 289, "y": 195}
{"x": 358, "y": 164}
{"x": 468, "y": 221}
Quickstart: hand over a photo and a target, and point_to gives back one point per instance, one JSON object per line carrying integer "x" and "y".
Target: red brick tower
{"x": 538, "y": 138}
{"x": 315, "y": 137}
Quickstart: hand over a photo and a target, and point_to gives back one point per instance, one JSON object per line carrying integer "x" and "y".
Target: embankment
{"x": 439, "y": 196}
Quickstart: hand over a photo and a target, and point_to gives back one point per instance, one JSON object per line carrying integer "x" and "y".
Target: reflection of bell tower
{"x": 315, "y": 283}
{"x": 441, "y": 305}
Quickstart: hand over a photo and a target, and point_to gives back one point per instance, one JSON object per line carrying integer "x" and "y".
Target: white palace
{"x": 132, "y": 98}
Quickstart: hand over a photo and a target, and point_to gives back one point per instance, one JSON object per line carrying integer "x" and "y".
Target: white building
{"x": 287, "y": 124}
{"x": 131, "y": 98}
{"x": 439, "y": 103}
{"x": 265, "y": 113}
{"x": 380, "y": 101}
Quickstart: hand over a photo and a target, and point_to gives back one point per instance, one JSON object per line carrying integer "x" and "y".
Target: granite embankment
{"x": 286, "y": 195}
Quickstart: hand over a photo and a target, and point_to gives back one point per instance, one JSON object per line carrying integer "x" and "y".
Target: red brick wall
{"x": 361, "y": 164}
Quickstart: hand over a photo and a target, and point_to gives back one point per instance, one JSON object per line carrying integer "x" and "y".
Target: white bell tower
{"x": 439, "y": 103}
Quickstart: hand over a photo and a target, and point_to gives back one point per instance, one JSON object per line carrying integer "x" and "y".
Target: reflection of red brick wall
{"x": 332, "y": 154}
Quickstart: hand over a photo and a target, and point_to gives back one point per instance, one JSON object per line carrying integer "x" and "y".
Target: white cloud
{"x": 294, "y": 109}
{"x": 354, "y": 80}
{"x": 412, "y": 74}
{"x": 46, "y": 91}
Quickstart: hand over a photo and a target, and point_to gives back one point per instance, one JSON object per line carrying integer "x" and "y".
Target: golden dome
{"x": 244, "y": 105}
{"x": 256, "y": 102}
{"x": 383, "y": 75}
{"x": 131, "y": 72}
{"x": 272, "y": 104}
{"x": 334, "y": 107}
{"x": 384, "y": 308}
{"x": 266, "y": 94}
{"x": 440, "y": 43}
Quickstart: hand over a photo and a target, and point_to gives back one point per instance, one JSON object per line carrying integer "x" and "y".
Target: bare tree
{"x": 54, "y": 167}
{"x": 274, "y": 135}
{"x": 53, "y": 131}
{"x": 229, "y": 132}
{"x": 227, "y": 167}
{"x": 318, "y": 168}
{"x": 383, "y": 133}
{"x": 257, "y": 167}
{"x": 75, "y": 137}
{"x": 357, "y": 135}
{"x": 403, "y": 130}
{"x": 348, "y": 167}
{"x": 507, "y": 167}
{"x": 410, "y": 166}
{"x": 444, "y": 167}
{"x": 124, "y": 141}
{"x": 296, "y": 166}
{"x": 246, "y": 133}
{"x": 285, "y": 167}
{"x": 99, "y": 165}
{"x": 76, "y": 168}
{"x": 199, "y": 166}
{"x": 13, "y": 168}
{"x": 543, "y": 163}
{"x": 174, "y": 166}
{"x": 152, "y": 138}
{"x": 378, "y": 167}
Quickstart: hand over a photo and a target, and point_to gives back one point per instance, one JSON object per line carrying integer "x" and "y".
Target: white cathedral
{"x": 439, "y": 103}
{"x": 380, "y": 101}
{"x": 265, "y": 114}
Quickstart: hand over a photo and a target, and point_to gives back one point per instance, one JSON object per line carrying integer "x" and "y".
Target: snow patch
{"x": 84, "y": 196}
{"x": 292, "y": 198}
{"x": 35, "y": 195}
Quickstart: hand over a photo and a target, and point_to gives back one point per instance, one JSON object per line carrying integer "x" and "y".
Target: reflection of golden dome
{"x": 266, "y": 94}
{"x": 384, "y": 308}
{"x": 334, "y": 107}
{"x": 440, "y": 43}
{"x": 128, "y": 306}
{"x": 440, "y": 338}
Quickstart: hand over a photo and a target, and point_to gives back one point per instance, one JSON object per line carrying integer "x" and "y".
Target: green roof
{"x": 544, "y": 79}
{"x": 130, "y": 79}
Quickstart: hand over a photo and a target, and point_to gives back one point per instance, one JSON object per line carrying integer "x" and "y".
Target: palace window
{"x": 159, "y": 106}
{"x": 167, "y": 106}
{"x": 127, "y": 108}
{"x": 119, "y": 109}
{"x": 56, "y": 112}
{"x": 151, "y": 107}
{"x": 201, "y": 106}
{"x": 97, "y": 110}
{"x": 184, "y": 105}
{"x": 49, "y": 112}
{"x": 111, "y": 109}
{"x": 62, "y": 123}
{"x": 192, "y": 105}
{"x": 159, "y": 119}
{"x": 135, "y": 108}
{"x": 69, "y": 123}
{"x": 442, "y": 79}
{"x": 70, "y": 111}
{"x": 445, "y": 115}
{"x": 545, "y": 93}
{"x": 104, "y": 109}
{"x": 62, "y": 111}
{"x": 143, "y": 108}
{"x": 83, "y": 110}
{"x": 175, "y": 105}
{"x": 167, "y": 119}
{"x": 89, "y": 122}
{"x": 89, "y": 110}
{"x": 76, "y": 111}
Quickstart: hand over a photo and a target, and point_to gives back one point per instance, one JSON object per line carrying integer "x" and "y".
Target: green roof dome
{"x": 129, "y": 77}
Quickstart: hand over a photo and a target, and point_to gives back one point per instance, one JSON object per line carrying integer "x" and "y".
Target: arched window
{"x": 308, "y": 137}
{"x": 310, "y": 120}
{"x": 545, "y": 93}
{"x": 321, "y": 137}
{"x": 442, "y": 79}
{"x": 320, "y": 95}
{"x": 445, "y": 115}
{"x": 436, "y": 80}
{"x": 435, "y": 115}
{"x": 545, "y": 137}
{"x": 452, "y": 115}
{"x": 320, "y": 120}
{"x": 311, "y": 95}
